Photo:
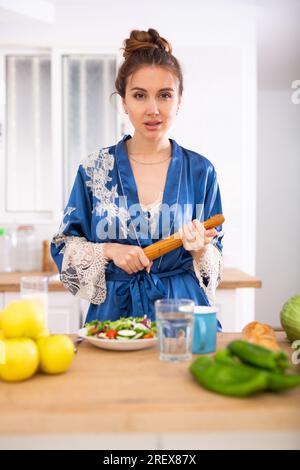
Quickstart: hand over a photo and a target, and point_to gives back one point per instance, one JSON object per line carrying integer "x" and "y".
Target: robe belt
{"x": 142, "y": 288}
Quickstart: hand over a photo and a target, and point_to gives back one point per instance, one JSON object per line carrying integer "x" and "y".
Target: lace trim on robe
{"x": 209, "y": 271}
{"x": 154, "y": 210}
{"x": 97, "y": 167}
{"x": 83, "y": 268}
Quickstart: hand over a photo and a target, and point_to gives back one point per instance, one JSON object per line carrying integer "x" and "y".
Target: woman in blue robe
{"x": 104, "y": 208}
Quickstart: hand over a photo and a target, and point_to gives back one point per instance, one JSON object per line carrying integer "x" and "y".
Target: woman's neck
{"x": 137, "y": 146}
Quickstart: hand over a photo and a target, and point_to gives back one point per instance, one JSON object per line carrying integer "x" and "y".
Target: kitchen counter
{"x": 232, "y": 279}
{"x": 133, "y": 400}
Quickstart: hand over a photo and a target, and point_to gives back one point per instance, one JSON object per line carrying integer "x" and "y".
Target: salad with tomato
{"x": 129, "y": 328}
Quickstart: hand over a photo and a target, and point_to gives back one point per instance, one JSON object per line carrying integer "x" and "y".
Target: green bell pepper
{"x": 228, "y": 379}
{"x": 276, "y": 380}
{"x": 224, "y": 356}
{"x": 259, "y": 356}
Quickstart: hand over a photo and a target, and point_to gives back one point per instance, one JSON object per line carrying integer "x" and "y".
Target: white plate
{"x": 116, "y": 344}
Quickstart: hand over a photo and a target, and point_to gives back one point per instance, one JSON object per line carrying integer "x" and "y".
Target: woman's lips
{"x": 152, "y": 127}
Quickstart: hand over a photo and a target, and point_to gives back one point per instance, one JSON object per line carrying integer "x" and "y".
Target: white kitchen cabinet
{"x": 63, "y": 313}
{"x": 9, "y": 297}
{"x": 229, "y": 315}
{"x": 236, "y": 308}
{"x": 1, "y": 301}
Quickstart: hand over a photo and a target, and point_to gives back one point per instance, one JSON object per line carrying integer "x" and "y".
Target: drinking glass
{"x": 174, "y": 319}
{"x": 35, "y": 288}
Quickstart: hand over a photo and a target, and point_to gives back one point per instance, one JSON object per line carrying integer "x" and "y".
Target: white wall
{"x": 278, "y": 159}
{"x": 216, "y": 43}
{"x": 278, "y": 200}
{"x": 217, "y": 50}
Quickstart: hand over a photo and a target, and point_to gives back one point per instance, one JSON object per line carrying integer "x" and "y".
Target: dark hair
{"x": 146, "y": 48}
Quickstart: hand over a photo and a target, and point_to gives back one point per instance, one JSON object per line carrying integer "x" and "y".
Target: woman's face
{"x": 152, "y": 95}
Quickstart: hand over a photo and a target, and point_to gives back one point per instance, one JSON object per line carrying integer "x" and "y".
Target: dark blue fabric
{"x": 191, "y": 180}
{"x": 139, "y": 291}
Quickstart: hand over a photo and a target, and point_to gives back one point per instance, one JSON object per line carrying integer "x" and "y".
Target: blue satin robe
{"x": 191, "y": 179}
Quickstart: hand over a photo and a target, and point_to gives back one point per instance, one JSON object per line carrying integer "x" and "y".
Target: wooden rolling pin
{"x": 174, "y": 241}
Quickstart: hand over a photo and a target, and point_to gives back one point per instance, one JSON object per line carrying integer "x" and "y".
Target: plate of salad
{"x": 125, "y": 334}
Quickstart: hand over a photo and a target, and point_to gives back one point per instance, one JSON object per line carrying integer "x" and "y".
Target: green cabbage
{"x": 290, "y": 318}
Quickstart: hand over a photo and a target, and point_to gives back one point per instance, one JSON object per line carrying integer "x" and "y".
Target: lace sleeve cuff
{"x": 83, "y": 268}
{"x": 209, "y": 270}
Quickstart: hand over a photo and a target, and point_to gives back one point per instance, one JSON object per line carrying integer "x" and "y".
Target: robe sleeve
{"x": 209, "y": 269}
{"x": 80, "y": 261}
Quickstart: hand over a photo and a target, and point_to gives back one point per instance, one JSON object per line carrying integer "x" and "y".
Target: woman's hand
{"x": 195, "y": 238}
{"x": 130, "y": 258}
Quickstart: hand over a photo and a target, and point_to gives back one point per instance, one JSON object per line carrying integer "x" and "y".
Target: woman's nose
{"x": 152, "y": 107}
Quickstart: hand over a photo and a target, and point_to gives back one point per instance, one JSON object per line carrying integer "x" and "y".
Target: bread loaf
{"x": 261, "y": 334}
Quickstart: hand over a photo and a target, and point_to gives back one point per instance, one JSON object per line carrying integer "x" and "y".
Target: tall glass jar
{"x": 5, "y": 250}
{"x": 26, "y": 249}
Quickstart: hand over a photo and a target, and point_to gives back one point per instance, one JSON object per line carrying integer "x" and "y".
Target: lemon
{"x": 19, "y": 359}
{"x": 2, "y": 351}
{"x": 22, "y": 318}
{"x": 56, "y": 353}
{"x": 1, "y": 335}
{"x": 44, "y": 332}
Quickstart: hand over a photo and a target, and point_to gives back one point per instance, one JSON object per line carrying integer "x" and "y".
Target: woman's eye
{"x": 164, "y": 95}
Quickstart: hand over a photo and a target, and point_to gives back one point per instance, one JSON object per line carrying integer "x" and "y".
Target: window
{"x": 89, "y": 116}
{"x": 55, "y": 109}
{"x": 28, "y": 133}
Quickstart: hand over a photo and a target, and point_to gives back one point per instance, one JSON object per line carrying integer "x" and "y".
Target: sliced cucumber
{"x": 138, "y": 335}
{"x": 139, "y": 328}
{"x": 102, "y": 335}
{"x": 126, "y": 333}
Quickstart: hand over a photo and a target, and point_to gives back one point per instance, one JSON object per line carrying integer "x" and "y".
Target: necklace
{"x": 150, "y": 163}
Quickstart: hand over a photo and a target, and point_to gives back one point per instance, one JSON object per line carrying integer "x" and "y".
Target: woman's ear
{"x": 124, "y": 105}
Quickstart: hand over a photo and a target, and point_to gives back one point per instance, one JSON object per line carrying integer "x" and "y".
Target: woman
{"x": 129, "y": 195}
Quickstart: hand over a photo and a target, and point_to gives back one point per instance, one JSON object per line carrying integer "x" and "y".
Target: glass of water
{"x": 174, "y": 319}
{"x": 35, "y": 288}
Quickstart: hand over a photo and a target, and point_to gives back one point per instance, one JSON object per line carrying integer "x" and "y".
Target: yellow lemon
{"x": 22, "y": 318}
{"x": 44, "y": 332}
{"x": 19, "y": 359}
{"x": 2, "y": 351}
{"x": 56, "y": 353}
{"x": 1, "y": 335}
{"x": 0, "y": 319}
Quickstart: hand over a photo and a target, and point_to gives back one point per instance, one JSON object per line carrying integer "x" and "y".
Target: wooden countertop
{"x": 232, "y": 279}
{"x": 107, "y": 391}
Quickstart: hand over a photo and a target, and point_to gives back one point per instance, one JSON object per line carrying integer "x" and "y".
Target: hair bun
{"x": 145, "y": 39}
